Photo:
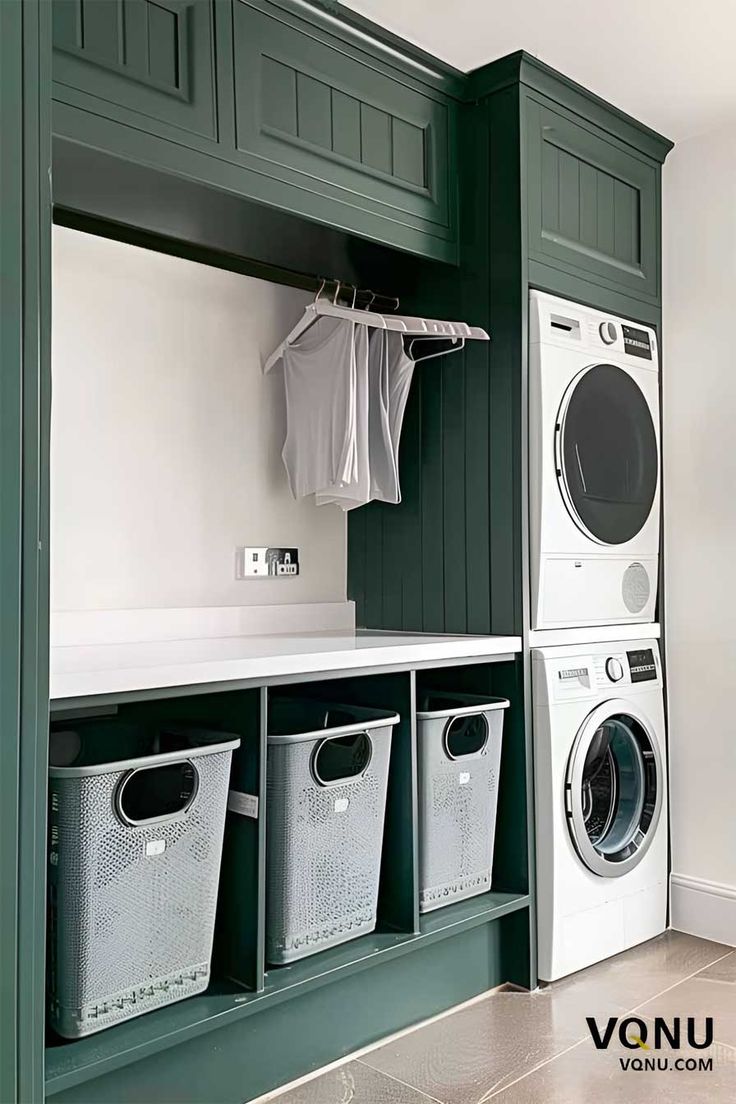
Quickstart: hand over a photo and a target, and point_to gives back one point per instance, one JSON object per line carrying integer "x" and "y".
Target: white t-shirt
{"x": 320, "y": 381}
{"x": 346, "y": 390}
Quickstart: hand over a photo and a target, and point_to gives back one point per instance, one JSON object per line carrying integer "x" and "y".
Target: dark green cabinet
{"x": 147, "y": 63}
{"x": 339, "y": 130}
{"x": 592, "y": 202}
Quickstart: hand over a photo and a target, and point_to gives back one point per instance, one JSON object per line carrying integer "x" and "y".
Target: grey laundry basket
{"x": 327, "y": 776}
{"x": 459, "y": 751}
{"x": 134, "y": 849}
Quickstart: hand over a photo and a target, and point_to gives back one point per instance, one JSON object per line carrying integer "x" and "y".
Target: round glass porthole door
{"x": 606, "y": 454}
{"x": 613, "y": 790}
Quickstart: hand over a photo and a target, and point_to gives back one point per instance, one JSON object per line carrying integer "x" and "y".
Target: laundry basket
{"x": 136, "y": 828}
{"x": 327, "y": 776}
{"x": 459, "y": 752}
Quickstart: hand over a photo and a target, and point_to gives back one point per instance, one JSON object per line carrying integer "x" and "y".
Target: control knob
{"x": 607, "y": 331}
{"x": 614, "y": 669}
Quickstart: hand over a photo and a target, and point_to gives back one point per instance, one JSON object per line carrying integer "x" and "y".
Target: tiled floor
{"x": 535, "y": 1048}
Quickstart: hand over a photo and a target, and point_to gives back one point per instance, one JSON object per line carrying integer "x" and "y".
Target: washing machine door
{"x": 614, "y": 789}
{"x": 607, "y": 461}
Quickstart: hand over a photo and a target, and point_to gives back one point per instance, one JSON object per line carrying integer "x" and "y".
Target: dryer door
{"x": 607, "y": 460}
{"x": 614, "y": 789}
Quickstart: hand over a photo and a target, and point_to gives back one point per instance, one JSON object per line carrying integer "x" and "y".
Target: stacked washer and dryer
{"x": 599, "y": 730}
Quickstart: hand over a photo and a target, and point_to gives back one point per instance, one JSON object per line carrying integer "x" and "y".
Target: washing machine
{"x": 594, "y": 466}
{"x": 601, "y": 801}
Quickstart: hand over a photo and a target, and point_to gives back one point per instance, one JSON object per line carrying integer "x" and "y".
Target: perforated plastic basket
{"x": 326, "y": 802}
{"x": 135, "y": 848}
{"x": 459, "y": 752}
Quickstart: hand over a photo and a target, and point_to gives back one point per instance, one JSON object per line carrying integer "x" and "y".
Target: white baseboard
{"x": 80, "y": 628}
{"x": 706, "y": 909}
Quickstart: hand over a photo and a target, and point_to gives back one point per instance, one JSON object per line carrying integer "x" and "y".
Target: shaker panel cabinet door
{"x": 148, "y": 63}
{"x": 364, "y": 149}
{"x": 593, "y": 205}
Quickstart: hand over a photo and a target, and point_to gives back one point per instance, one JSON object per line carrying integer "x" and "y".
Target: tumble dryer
{"x": 601, "y": 801}
{"x": 594, "y": 464}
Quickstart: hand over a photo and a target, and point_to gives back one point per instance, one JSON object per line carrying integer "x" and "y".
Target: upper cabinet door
{"x": 150, "y": 62}
{"x": 593, "y": 204}
{"x": 360, "y": 146}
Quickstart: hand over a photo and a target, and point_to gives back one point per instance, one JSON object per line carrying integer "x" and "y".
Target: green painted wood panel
{"x": 329, "y": 122}
{"x": 152, "y": 60}
{"x": 25, "y": 229}
{"x": 11, "y": 344}
{"x": 243, "y": 1059}
{"x": 592, "y": 203}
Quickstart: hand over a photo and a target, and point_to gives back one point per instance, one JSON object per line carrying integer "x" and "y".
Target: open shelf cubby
{"x": 491, "y": 927}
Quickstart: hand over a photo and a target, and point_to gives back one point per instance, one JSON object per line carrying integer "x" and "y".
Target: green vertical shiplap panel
{"x": 432, "y": 549}
{"x": 136, "y": 36}
{"x": 408, "y": 145}
{"x": 279, "y": 96}
{"x": 357, "y": 563}
{"x": 163, "y": 52}
{"x": 314, "y": 111}
{"x": 569, "y": 195}
{"x": 345, "y": 125}
{"x": 375, "y": 139}
{"x": 588, "y": 206}
{"x": 453, "y": 491}
{"x": 67, "y": 23}
{"x": 102, "y": 25}
{"x": 550, "y": 190}
{"x": 374, "y": 565}
{"x": 408, "y": 516}
{"x": 477, "y": 495}
{"x": 604, "y": 199}
{"x": 625, "y": 221}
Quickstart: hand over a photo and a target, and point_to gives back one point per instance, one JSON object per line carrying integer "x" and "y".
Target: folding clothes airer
{"x": 346, "y": 386}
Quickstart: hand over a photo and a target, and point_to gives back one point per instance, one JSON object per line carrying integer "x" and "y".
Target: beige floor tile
{"x": 626, "y": 980}
{"x": 699, "y": 997}
{"x": 724, "y": 970}
{"x": 461, "y": 1058}
{"x": 353, "y": 1083}
{"x": 587, "y": 1076}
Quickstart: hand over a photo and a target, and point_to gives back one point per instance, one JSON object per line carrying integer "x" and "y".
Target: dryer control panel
{"x": 571, "y": 677}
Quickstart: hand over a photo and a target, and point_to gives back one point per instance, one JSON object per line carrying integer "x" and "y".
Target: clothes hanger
{"x": 319, "y": 308}
{"x": 458, "y": 343}
{"x": 404, "y": 324}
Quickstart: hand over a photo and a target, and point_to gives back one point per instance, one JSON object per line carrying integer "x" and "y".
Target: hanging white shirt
{"x": 320, "y": 450}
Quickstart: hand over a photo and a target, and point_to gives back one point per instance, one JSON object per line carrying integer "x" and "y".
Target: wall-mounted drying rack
{"x": 409, "y": 325}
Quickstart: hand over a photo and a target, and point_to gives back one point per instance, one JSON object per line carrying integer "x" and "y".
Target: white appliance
{"x": 601, "y": 801}
{"x": 594, "y": 462}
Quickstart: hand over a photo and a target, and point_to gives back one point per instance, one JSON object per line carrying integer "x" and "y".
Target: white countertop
{"x": 104, "y": 669}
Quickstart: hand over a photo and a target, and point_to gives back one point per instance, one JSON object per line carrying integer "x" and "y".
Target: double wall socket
{"x": 263, "y": 563}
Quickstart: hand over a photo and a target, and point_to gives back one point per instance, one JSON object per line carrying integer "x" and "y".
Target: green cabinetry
{"x": 287, "y": 109}
{"x": 333, "y": 125}
{"x": 146, "y": 63}
{"x": 592, "y": 202}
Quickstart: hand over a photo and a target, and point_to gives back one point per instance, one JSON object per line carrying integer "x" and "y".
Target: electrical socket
{"x": 263, "y": 563}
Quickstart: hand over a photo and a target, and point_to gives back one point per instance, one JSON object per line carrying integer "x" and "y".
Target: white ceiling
{"x": 669, "y": 63}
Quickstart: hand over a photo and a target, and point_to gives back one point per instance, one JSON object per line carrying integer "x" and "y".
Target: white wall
{"x": 166, "y": 437}
{"x": 699, "y": 409}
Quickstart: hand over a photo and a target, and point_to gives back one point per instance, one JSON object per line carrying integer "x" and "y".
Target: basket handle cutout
{"x": 340, "y": 759}
{"x": 466, "y": 737}
{"x": 151, "y": 795}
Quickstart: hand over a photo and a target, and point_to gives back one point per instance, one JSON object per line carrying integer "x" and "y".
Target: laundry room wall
{"x": 699, "y": 401}
{"x": 166, "y": 436}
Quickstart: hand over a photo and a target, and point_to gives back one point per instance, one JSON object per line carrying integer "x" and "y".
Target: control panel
{"x": 581, "y": 676}
{"x": 642, "y": 665}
